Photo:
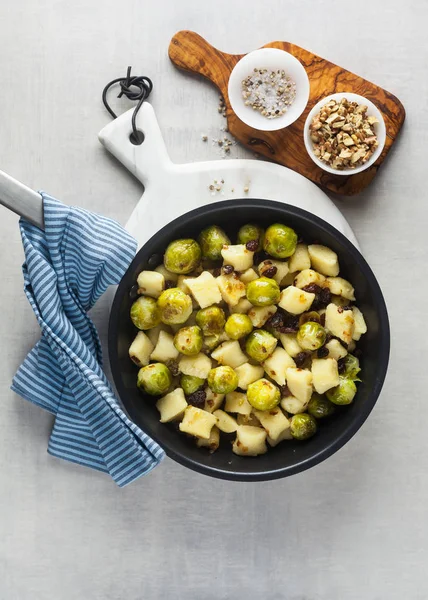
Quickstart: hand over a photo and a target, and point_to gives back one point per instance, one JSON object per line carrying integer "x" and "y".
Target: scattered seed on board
{"x": 204, "y": 138}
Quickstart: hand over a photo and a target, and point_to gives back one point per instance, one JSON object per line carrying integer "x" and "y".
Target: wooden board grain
{"x": 191, "y": 52}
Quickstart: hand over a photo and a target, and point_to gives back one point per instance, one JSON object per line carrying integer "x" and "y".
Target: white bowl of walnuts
{"x": 344, "y": 133}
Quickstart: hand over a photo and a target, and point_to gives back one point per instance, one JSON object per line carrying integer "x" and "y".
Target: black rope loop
{"x": 134, "y": 88}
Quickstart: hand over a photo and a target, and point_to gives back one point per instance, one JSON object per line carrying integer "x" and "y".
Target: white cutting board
{"x": 171, "y": 190}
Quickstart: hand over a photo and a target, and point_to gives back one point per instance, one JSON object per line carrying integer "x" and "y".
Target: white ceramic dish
{"x": 268, "y": 58}
{"x": 379, "y": 129}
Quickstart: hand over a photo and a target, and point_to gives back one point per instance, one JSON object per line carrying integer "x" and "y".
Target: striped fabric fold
{"x": 67, "y": 268}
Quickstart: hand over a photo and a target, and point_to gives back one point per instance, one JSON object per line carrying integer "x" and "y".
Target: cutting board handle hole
{"x": 138, "y": 139}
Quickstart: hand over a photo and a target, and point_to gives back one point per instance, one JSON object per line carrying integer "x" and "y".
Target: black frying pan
{"x": 289, "y": 457}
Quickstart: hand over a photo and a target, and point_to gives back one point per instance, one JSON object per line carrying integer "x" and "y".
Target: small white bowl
{"x": 379, "y": 129}
{"x": 274, "y": 59}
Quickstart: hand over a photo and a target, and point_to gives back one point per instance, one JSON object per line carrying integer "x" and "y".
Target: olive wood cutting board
{"x": 191, "y": 52}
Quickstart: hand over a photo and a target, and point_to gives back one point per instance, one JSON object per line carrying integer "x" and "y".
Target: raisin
{"x": 173, "y": 367}
{"x": 252, "y": 245}
{"x": 322, "y": 319}
{"x": 322, "y": 352}
{"x": 285, "y": 392}
{"x": 197, "y": 398}
{"x": 270, "y": 271}
{"x": 227, "y": 269}
{"x": 276, "y": 321}
{"x": 301, "y": 358}
{"x": 312, "y": 288}
{"x": 325, "y": 296}
{"x": 216, "y": 272}
{"x": 291, "y": 324}
{"x": 341, "y": 366}
{"x": 169, "y": 284}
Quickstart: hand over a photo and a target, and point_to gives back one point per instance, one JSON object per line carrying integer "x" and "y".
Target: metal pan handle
{"x": 18, "y": 198}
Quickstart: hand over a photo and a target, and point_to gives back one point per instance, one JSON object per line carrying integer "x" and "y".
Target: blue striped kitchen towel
{"x": 67, "y": 268}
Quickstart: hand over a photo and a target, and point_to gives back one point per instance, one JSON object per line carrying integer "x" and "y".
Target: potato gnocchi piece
{"x": 140, "y": 349}
{"x": 182, "y": 285}
{"x": 197, "y": 422}
{"x": 340, "y": 322}
{"x": 300, "y": 260}
{"x": 238, "y": 256}
{"x": 236, "y": 402}
{"x": 299, "y": 382}
{"x": 292, "y": 405}
{"x": 231, "y": 288}
{"x": 285, "y": 435}
{"x": 307, "y": 277}
{"x": 273, "y": 421}
{"x": 250, "y": 441}
{"x": 290, "y": 343}
{"x": 281, "y": 269}
{"x": 247, "y": 374}
{"x": 153, "y": 334}
{"x": 295, "y": 300}
{"x": 335, "y": 349}
{"x": 360, "y": 326}
{"x": 339, "y": 301}
{"x": 197, "y": 366}
{"x": 150, "y": 283}
{"x": 165, "y": 349}
{"x": 324, "y": 374}
{"x": 242, "y": 307}
{"x": 204, "y": 289}
{"x": 225, "y": 422}
{"x": 168, "y": 275}
{"x": 248, "y": 275}
{"x": 172, "y": 406}
{"x": 288, "y": 280}
{"x": 213, "y": 442}
{"x": 213, "y": 401}
{"x": 324, "y": 260}
{"x": 277, "y": 364}
{"x": 260, "y": 314}
{"x": 340, "y": 287}
{"x": 230, "y": 354}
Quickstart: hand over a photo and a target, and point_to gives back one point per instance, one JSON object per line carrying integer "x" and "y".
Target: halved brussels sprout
{"x": 309, "y": 316}
{"x": 320, "y": 406}
{"x": 263, "y": 394}
{"x": 189, "y": 340}
{"x": 222, "y": 380}
{"x": 280, "y": 241}
{"x": 251, "y": 233}
{"x": 344, "y": 393}
{"x": 191, "y": 384}
{"x": 175, "y": 306}
{"x": 260, "y": 344}
{"x": 211, "y": 320}
{"x": 154, "y": 379}
{"x": 237, "y": 326}
{"x": 263, "y": 292}
{"x": 145, "y": 313}
{"x": 303, "y": 426}
{"x": 311, "y": 336}
{"x": 182, "y": 256}
{"x": 351, "y": 367}
{"x": 212, "y": 239}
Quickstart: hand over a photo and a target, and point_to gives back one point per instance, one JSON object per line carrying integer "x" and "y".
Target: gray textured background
{"x": 353, "y": 528}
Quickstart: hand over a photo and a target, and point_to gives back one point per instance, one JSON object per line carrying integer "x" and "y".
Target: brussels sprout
{"x": 263, "y": 394}
{"x": 344, "y": 393}
{"x": 191, "y": 384}
{"x": 222, "y": 380}
{"x": 263, "y": 292}
{"x": 303, "y": 426}
{"x": 309, "y": 316}
{"x": 212, "y": 240}
{"x": 182, "y": 256}
{"x": 145, "y": 313}
{"x": 251, "y": 233}
{"x": 260, "y": 344}
{"x": 237, "y": 326}
{"x": 320, "y": 406}
{"x": 351, "y": 367}
{"x": 175, "y": 306}
{"x": 211, "y": 320}
{"x": 280, "y": 241}
{"x": 154, "y": 379}
{"x": 311, "y": 336}
{"x": 189, "y": 340}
